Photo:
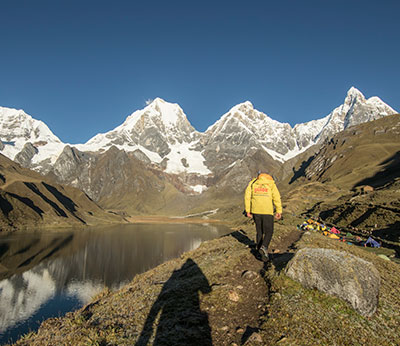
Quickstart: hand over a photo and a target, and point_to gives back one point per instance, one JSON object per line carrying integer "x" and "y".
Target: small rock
{"x": 248, "y": 274}
{"x": 384, "y": 257}
{"x": 239, "y": 330}
{"x": 233, "y": 296}
{"x": 239, "y": 287}
{"x": 276, "y": 251}
{"x": 255, "y": 337}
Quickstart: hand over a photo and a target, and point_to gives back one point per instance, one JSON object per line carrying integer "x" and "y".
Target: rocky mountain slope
{"x": 27, "y": 200}
{"x": 353, "y": 179}
{"x": 349, "y": 157}
{"x": 163, "y": 135}
{"x": 165, "y": 156}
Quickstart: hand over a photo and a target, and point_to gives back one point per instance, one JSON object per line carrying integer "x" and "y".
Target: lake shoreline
{"x": 69, "y": 266}
{"x": 170, "y": 219}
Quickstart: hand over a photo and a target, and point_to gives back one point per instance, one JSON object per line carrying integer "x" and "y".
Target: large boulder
{"x": 338, "y": 273}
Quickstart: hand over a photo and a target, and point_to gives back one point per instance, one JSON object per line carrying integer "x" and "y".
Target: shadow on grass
{"x": 241, "y": 236}
{"x": 181, "y": 321}
{"x": 388, "y": 173}
{"x": 279, "y": 261}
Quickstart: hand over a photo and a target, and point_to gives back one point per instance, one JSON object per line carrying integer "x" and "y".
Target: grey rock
{"x": 24, "y": 157}
{"x": 141, "y": 156}
{"x": 73, "y": 168}
{"x": 338, "y": 273}
{"x": 249, "y": 274}
{"x": 154, "y": 141}
{"x": 254, "y": 338}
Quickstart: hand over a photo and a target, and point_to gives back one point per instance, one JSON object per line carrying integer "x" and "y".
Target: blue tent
{"x": 371, "y": 242}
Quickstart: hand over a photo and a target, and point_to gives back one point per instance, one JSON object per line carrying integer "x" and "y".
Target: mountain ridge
{"x": 161, "y": 135}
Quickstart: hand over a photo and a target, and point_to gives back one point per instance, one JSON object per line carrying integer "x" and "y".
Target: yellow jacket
{"x": 260, "y": 194}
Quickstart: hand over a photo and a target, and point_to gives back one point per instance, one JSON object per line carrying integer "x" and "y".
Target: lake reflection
{"x": 47, "y": 274}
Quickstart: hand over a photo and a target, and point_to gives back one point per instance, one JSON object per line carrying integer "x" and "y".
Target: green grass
{"x": 299, "y": 316}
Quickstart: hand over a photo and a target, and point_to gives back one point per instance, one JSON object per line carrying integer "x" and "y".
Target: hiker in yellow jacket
{"x": 260, "y": 198}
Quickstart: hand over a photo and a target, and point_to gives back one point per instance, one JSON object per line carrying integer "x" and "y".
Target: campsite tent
{"x": 372, "y": 243}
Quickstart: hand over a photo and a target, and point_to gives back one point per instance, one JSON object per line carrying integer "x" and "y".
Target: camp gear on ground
{"x": 372, "y": 243}
{"x": 335, "y": 230}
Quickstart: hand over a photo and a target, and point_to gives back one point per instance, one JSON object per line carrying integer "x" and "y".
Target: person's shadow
{"x": 241, "y": 236}
{"x": 280, "y": 260}
{"x": 181, "y": 321}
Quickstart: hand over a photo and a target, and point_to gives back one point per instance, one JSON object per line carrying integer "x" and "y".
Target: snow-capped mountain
{"x": 161, "y": 135}
{"x": 23, "y": 137}
{"x": 355, "y": 110}
{"x": 244, "y": 128}
{"x": 161, "y": 132}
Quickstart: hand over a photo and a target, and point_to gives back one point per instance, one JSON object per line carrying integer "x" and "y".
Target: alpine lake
{"x": 46, "y": 274}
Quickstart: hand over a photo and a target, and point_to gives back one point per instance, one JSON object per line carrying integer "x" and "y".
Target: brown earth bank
{"x": 222, "y": 294}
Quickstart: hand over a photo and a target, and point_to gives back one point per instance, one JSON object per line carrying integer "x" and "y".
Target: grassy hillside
{"x": 28, "y": 200}
{"x": 366, "y": 153}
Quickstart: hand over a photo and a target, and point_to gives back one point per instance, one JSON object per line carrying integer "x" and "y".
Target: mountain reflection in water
{"x": 46, "y": 274}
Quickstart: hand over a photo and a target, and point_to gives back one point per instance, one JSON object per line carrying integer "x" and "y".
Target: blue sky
{"x": 83, "y": 66}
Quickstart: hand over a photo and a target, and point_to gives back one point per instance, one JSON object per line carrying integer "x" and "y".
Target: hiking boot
{"x": 264, "y": 254}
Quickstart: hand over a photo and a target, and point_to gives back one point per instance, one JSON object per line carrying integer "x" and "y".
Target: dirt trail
{"x": 241, "y": 325}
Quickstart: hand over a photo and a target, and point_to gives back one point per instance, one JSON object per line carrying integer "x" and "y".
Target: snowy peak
{"x": 15, "y": 124}
{"x": 242, "y": 129}
{"x": 248, "y": 128}
{"x": 355, "y": 110}
{"x": 161, "y": 132}
{"x": 243, "y": 107}
{"x": 353, "y": 94}
{"x": 170, "y": 113}
{"x": 160, "y": 119}
{"x": 245, "y": 116}
{"x": 158, "y": 112}
{"x": 18, "y": 129}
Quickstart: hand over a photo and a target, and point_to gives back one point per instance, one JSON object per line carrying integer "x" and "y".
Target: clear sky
{"x": 83, "y": 66}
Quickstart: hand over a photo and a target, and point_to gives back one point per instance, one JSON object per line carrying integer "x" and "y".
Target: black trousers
{"x": 264, "y": 228}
